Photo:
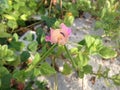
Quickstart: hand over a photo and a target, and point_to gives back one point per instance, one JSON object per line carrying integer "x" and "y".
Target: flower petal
{"x": 65, "y": 29}
{"x": 59, "y": 36}
{"x": 47, "y": 38}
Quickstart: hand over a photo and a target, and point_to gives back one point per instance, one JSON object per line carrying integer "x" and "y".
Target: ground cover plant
{"x": 21, "y": 63}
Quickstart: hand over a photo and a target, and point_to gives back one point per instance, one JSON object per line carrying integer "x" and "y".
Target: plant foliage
{"x": 21, "y": 62}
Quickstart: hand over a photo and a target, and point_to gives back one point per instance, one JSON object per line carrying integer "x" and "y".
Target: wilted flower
{"x": 59, "y": 36}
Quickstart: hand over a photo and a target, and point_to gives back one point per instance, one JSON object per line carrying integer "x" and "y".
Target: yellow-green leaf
{"x": 107, "y": 53}
{"x": 9, "y": 17}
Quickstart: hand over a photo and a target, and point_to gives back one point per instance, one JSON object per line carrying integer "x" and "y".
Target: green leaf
{"x": 40, "y": 35}
{"x": 6, "y": 55}
{"x": 82, "y": 42}
{"x": 59, "y": 50}
{"x": 4, "y": 78}
{"x": 81, "y": 74}
{"x": 24, "y": 17}
{"x": 12, "y": 24}
{"x": 21, "y": 22}
{"x": 41, "y": 84}
{"x": 10, "y": 59}
{"x": 87, "y": 69}
{"x": 57, "y": 24}
{"x": 44, "y": 49}
{"x": 42, "y": 9}
{"x": 36, "y": 72}
{"x": 3, "y": 41}
{"x": 46, "y": 69}
{"x": 36, "y": 59}
{"x": 89, "y": 40}
{"x": 104, "y": 11}
{"x": 93, "y": 44}
{"x": 20, "y": 75}
{"x": 74, "y": 50}
{"x": 106, "y": 72}
{"x": 4, "y": 34}
{"x": 3, "y": 71}
{"x": 49, "y": 21}
{"x": 66, "y": 69}
{"x": 106, "y": 52}
{"x": 17, "y": 45}
{"x": 73, "y": 9}
{"x": 3, "y": 5}
{"x": 16, "y": 6}
{"x": 24, "y": 56}
{"x": 3, "y": 27}
{"x": 5, "y": 82}
{"x": 116, "y": 79}
{"x": 98, "y": 24}
{"x": 82, "y": 60}
{"x": 9, "y": 17}
{"x": 33, "y": 46}
{"x": 21, "y": 3}
{"x": 15, "y": 37}
{"x": 29, "y": 37}
{"x": 15, "y": 62}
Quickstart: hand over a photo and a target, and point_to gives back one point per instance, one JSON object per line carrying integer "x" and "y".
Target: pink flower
{"x": 59, "y": 36}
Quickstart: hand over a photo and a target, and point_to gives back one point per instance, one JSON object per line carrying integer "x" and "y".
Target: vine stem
{"x": 61, "y": 8}
{"x": 50, "y": 8}
{"x": 48, "y": 52}
{"x": 20, "y": 29}
{"x": 68, "y": 53}
{"x": 96, "y": 74}
{"x": 76, "y": 44}
{"x": 39, "y": 4}
{"x": 42, "y": 58}
{"x": 56, "y": 82}
{"x": 55, "y": 75}
{"x": 83, "y": 83}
